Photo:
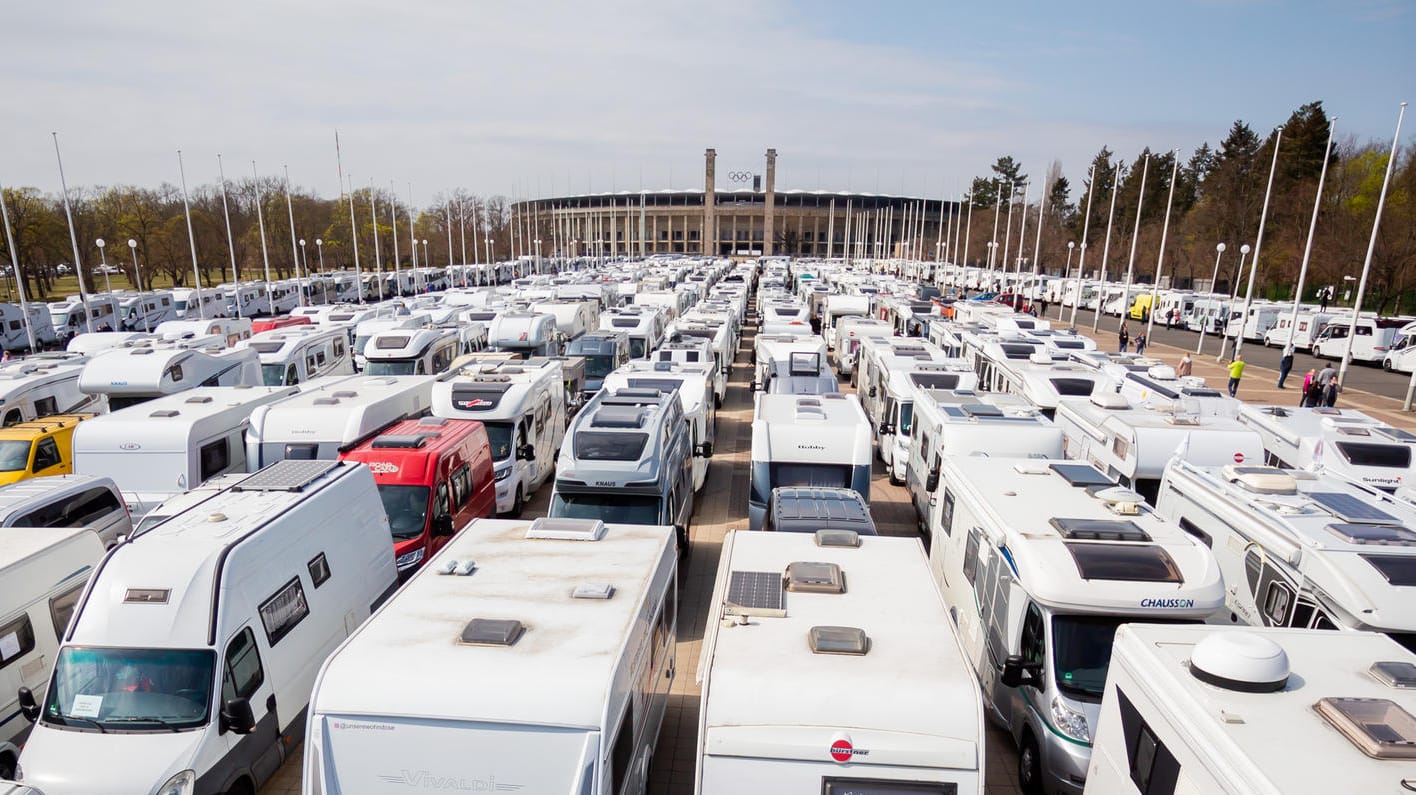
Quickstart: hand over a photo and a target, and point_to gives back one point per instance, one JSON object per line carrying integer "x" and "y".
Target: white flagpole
{"x": 1135, "y": 238}
{"x": 1081, "y": 264}
{"x": 73, "y": 237}
{"x": 294, "y": 244}
{"x": 1164, "y": 231}
{"x": 353, "y": 227}
{"x": 191, "y": 237}
{"x": 230, "y": 241}
{"x": 378, "y": 256}
{"x": 19, "y": 275}
{"x": 260, "y": 223}
{"x": 1312, "y": 230}
{"x": 1371, "y": 246}
{"x": 393, "y": 207}
{"x": 1259, "y": 244}
{"x": 1106, "y": 247}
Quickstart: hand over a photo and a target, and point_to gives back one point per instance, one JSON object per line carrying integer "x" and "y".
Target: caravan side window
{"x": 623, "y": 752}
{"x": 1154, "y": 769}
{"x": 283, "y": 611}
{"x": 215, "y": 458}
{"x": 971, "y": 556}
{"x": 16, "y": 640}
{"x": 243, "y": 672}
{"x": 61, "y": 609}
{"x": 946, "y": 522}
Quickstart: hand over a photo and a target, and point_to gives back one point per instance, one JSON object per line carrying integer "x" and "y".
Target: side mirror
{"x": 872, "y": 392}
{"x": 442, "y": 525}
{"x": 28, "y": 707}
{"x": 932, "y": 482}
{"x": 236, "y": 716}
{"x": 704, "y": 450}
{"x": 886, "y": 429}
{"x": 1017, "y": 673}
{"x": 526, "y": 452}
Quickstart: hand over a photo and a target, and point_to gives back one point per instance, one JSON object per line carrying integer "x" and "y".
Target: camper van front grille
{"x": 755, "y": 593}
{"x": 286, "y": 476}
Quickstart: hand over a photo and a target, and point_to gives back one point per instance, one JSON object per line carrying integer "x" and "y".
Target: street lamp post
{"x": 537, "y": 241}
{"x": 1224, "y": 327}
{"x": 1071, "y": 244}
{"x": 1204, "y": 321}
{"x": 137, "y": 274}
{"x": 104, "y": 266}
{"x": 306, "y": 258}
{"x": 490, "y": 270}
{"x": 319, "y": 246}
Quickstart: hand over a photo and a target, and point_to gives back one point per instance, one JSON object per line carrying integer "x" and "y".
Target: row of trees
{"x": 156, "y": 221}
{"x": 1218, "y": 198}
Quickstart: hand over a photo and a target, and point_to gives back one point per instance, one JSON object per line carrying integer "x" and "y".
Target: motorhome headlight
{"x": 180, "y": 784}
{"x": 1070, "y": 722}
{"x": 503, "y": 474}
{"x": 409, "y": 559}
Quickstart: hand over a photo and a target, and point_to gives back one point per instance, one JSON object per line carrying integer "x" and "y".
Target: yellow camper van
{"x": 38, "y": 447}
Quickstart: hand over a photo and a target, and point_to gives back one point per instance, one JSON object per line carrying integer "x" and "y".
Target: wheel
{"x": 241, "y": 787}
{"x": 894, "y": 481}
{"x": 518, "y": 504}
{"x": 1386, "y": 365}
{"x": 1029, "y": 767}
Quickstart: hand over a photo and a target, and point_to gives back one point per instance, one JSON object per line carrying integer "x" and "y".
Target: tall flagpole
{"x": 1371, "y": 246}
{"x": 393, "y": 207}
{"x": 1106, "y": 247}
{"x": 1312, "y": 230}
{"x": 294, "y": 245}
{"x": 378, "y": 256}
{"x": 1164, "y": 231}
{"x": 73, "y": 237}
{"x": 265, "y": 252}
{"x": 1081, "y": 264}
{"x": 19, "y": 275}
{"x": 1135, "y": 238}
{"x": 353, "y": 225}
{"x": 1259, "y": 244}
{"x": 191, "y": 236}
{"x": 230, "y": 241}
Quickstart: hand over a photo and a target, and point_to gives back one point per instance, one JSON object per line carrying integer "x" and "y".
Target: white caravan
{"x": 839, "y": 307}
{"x": 332, "y": 415}
{"x": 145, "y": 311}
{"x": 42, "y": 571}
{"x": 949, "y": 422}
{"x": 644, "y": 324}
{"x": 171, "y": 444}
{"x": 570, "y": 626}
{"x": 848, "y": 333}
{"x": 1133, "y": 443}
{"x": 365, "y": 330}
{"x": 245, "y": 299}
{"x": 774, "y": 716}
{"x": 1238, "y": 711}
{"x": 43, "y": 385}
{"x": 129, "y": 376}
{"x": 213, "y": 303}
{"x": 821, "y": 440}
{"x": 695, "y": 350}
{"x": 522, "y": 404}
{"x": 694, "y": 384}
{"x": 230, "y": 329}
{"x": 1039, "y": 568}
{"x": 298, "y": 354}
{"x": 423, "y": 351}
{"x": 1299, "y": 549}
{"x": 13, "y": 334}
{"x": 526, "y": 334}
{"x": 573, "y": 318}
{"x": 67, "y": 317}
{"x": 1345, "y": 442}
{"x": 188, "y": 665}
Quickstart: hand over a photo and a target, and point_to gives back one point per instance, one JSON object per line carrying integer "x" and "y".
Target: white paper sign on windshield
{"x": 86, "y": 706}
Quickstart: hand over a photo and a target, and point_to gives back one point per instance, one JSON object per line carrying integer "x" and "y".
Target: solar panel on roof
{"x": 981, "y": 410}
{"x": 287, "y": 475}
{"x": 755, "y": 593}
{"x": 1386, "y": 535}
{"x": 1351, "y": 508}
{"x": 1081, "y": 475}
{"x": 1395, "y": 434}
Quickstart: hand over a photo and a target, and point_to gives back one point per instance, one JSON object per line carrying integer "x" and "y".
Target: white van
{"x": 42, "y": 571}
{"x": 570, "y": 628}
{"x": 190, "y": 659}
{"x": 171, "y": 444}
{"x": 332, "y": 415}
{"x": 1374, "y": 337}
{"x": 67, "y": 501}
{"x": 859, "y": 685}
{"x": 1235, "y": 711}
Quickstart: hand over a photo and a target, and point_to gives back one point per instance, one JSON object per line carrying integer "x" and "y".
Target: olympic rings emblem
{"x": 740, "y": 176}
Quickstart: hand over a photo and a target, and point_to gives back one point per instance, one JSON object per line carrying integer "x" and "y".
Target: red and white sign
{"x": 843, "y": 751}
{"x": 1238, "y": 458}
{"x": 383, "y": 467}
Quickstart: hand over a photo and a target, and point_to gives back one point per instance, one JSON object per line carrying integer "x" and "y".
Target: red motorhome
{"x": 435, "y": 476}
{"x": 284, "y": 321}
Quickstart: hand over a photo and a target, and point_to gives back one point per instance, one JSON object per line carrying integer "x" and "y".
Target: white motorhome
{"x": 573, "y": 318}
{"x": 1159, "y": 388}
{"x": 129, "y": 376}
{"x": 792, "y": 365}
{"x": 1038, "y": 594}
{"x": 213, "y": 303}
{"x": 14, "y": 336}
{"x": 1255, "y": 325}
{"x": 298, "y": 354}
{"x": 784, "y": 630}
{"x": 1342, "y": 441}
{"x": 42, "y": 572}
{"x": 332, "y": 415}
{"x": 571, "y": 627}
{"x": 365, "y": 330}
{"x": 230, "y": 329}
{"x": 821, "y": 440}
{"x": 67, "y": 317}
{"x": 837, "y": 307}
{"x": 694, "y": 384}
{"x": 146, "y": 311}
{"x": 522, "y": 404}
{"x": 525, "y": 333}
{"x": 848, "y": 332}
{"x": 191, "y": 655}
{"x": 1236, "y": 711}
{"x": 696, "y": 350}
{"x": 245, "y": 299}
{"x": 1301, "y": 549}
{"x": 644, "y": 324}
{"x": 43, "y": 385}
{"x": 1374, "y": 337}
{"x": 1306, "y": 328}
{"x": 964, "y": 422}
{"x": 1043, "y": 380}
{"x": 171, "y": 444}
{"x": 1133, "y": 443}
{"x": 422, "y": 351}
{"x": 893, "y": 408}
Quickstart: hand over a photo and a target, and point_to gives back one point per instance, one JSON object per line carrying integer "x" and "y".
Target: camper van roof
{"x": 148, "y": 425}
{"x": 559, "y": 672}
{"x": 766, "y": 674}
{"x": 193, "y": 545}
{"x": 1070, "y": 571}
{"x": 1260, "y": 731}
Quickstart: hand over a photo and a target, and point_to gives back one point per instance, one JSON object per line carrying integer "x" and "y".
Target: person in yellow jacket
{"x": 1236, "y": 372}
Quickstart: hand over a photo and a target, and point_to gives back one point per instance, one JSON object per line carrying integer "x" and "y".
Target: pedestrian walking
{"x": 1141, "y": 343}
{"x": 1175, "y": 317}
{"x": 1285, "y": 365}
{"x": 1323, "y": 299}
{"x": 1125, "y": 337}
{"x": 1308, "y": 381}
{"x": 1186, "y": 366}
{"x": 1330, "y": 390}
{"x": 1236, "y": 372}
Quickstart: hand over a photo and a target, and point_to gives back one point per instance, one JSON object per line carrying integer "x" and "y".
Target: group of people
{"x": 1321, "y": 389}
{"x": 1125, "y": 337}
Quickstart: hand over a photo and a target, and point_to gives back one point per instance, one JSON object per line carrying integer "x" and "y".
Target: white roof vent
{"x": 1240, "y": 661}
{"x": 593, "y": 590}
{"x": 1161, "y": 372}
{"x": 1121, "y": 500}
{"x": 1040, "y": 358}
{"x": 567, "y": 529}
{"x": 1261, "y": 480}
{"x": 1109, "y": 400}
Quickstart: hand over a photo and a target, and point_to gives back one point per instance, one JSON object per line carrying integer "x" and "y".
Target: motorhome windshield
{"x": 131, "y": 690}
{"x": 598, "y": 366}
{"x": 610, "y": 445}
{"x": 407, "y": 509}
{"x": 609, "y": 507}
{"x": 14, "y": 455}
{"x": 906, "y": 416}
{"x": 394, "y": 367}
{"x": 637, "y": 347}
{"x": 273, "y": 374}
{"x": 499, "y": 439}
{"x": 1081, "y": 651}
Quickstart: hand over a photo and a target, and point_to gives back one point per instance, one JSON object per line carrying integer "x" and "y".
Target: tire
{"x": 1029, "y": 766}
{"x": 518, "y": 504}
{"x": 241, "y": 787}
{"x": 1386, "y": 364}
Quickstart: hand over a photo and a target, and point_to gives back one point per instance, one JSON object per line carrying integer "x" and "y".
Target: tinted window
{"x": 623, "y": 752}
{"x": 1072, "y": 386}
{"x": 46, "y": 454}
{"x": 215, "y": 459}
{"x": 283, "y": 611}
{"x": 605, "y": 446}
{"x": 16, "y": 640}
{"x": 1128, "y": 562}
{"x": 1366, "y": 454}
{"x": 319, "y": 570}
{"x": 243, "y": 672}
{"x": 61, "y": 609}
{"x": 91, "y": 507}
{"x": 1397, "y": 569}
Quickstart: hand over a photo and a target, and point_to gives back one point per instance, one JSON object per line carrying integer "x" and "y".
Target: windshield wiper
{"x": 96, "y": 724}
{"x": 145, "y": 719}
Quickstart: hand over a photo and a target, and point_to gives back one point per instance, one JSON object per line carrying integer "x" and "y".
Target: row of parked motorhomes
{"x": 1124, "y": 568}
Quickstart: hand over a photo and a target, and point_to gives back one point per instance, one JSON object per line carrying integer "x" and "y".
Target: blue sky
{"x": 538, "y": 99}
